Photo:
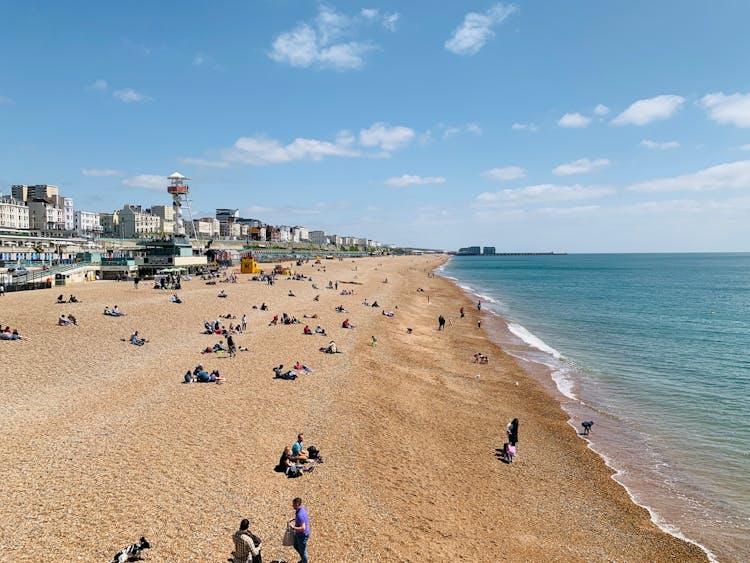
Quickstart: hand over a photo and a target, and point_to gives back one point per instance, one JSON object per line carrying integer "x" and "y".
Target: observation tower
{"x": 179, "y": 192}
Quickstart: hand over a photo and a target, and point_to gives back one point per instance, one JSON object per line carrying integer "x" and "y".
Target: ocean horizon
{"x": 653, "y": 348}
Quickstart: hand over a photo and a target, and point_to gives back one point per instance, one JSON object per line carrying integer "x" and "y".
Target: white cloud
{"x": 732, "y": 175}
{"x": 410, "y": 180}
{"x": 745, "y": 148}
{"x": 660, "y": 146}
{"x": 601, "y": 109}
{"x": 100, "y": 85}
{"x": 645, "y": 111}
{"x": 321, "y": 44}
{"x": 733, "y": 109}
{"x": 101, "y": 172}
{"x": 543, "y": 193}
{"x": 574, "y": 120}
{"x": 576, "y": 211}
{"x": 202, "y": 60}
{"x": 532, "y": 127}
{"x": 148, "y": 181}
{"x": 203, "y": 162}
{"x": 260, "y": 150}
{"x": 580, "y": 166}
{"x": 472, "y": 128}
{"x": 476, "y": 29}
{"x": 387, "y": 138}
{"x": 128, "y": 95}
{"x": 5, "y": 100}
{"x": 390, "y": 21}
{"x": 505, "y": 173}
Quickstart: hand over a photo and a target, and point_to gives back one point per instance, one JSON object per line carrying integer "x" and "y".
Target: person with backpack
{"x": 246, "y": 545}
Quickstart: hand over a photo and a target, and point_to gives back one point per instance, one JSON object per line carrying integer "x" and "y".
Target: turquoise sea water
{"x": 655, "y": 348}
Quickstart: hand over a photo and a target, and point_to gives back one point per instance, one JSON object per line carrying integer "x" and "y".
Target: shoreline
{"x": 565, "y": 398}
{"x": 103, "y": 440}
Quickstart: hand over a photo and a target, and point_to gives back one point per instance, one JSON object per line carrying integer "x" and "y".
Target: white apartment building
{"x": 13, "y": 213}
{"x": 87, "y": 222}
{"x": 300, "y": 234}
{"x": 207, "y": 227}
{"x": 284, "y": 233}
{"x": 137, "y": 222}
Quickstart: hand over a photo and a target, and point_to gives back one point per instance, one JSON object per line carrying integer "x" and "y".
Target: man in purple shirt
{"x": 301, "y": 529}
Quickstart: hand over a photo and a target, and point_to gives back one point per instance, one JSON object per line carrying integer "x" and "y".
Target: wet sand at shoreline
{"x": 102, "y": 443}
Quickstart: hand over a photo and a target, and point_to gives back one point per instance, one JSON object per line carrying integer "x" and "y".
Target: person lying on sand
{"x": 389, "y": 313}
{"x": 278, "y": 373}
{"x": 313, "y": 316}
{"x": 302, "y": 367}
{"x": 222, "y": 294}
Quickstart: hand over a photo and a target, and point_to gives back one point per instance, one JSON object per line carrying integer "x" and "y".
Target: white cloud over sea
{"x": 648, "y": 110}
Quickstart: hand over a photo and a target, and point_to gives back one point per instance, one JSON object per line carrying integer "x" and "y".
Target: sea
{"x": 655, "y": 349}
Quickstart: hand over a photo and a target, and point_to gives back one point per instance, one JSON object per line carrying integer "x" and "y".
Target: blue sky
{"x": 531, "y": 126}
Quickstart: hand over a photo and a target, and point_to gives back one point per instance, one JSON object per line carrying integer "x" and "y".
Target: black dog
{"x": 587, "y": 424}
{"x": 132, "y": 552}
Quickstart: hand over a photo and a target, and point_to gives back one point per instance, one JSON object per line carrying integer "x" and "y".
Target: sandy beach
{"x": 103, "y": 443}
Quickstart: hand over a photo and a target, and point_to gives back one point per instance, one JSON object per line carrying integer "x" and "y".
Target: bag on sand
{"x": 288, "y": 538}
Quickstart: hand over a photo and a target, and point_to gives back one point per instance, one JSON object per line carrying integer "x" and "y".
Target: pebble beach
{"x": 103, "y": 443}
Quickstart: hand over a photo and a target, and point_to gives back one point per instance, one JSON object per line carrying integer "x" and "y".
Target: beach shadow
{"x": 501, "y": 456}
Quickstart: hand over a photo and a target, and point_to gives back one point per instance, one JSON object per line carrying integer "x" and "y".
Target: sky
{"x": 577, "y": 126}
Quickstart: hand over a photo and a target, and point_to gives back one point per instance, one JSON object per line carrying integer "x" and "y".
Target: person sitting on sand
{"x": 288, "y": 466}
{"x": 306, "y": 330}
{"x": 347, "y": 324}
{"x": 290, "y": 294}
{"x": 175, "y": 299}
{"x": 136, "y": 340}
{"x": 331, "y": 348}
{"x": 274, "y": 321}
{"x": 375, "y": 304}
{"x": 299, "y": 453}
{"x": 340, "y": 309}
{"x": 63, "y": 321}
{"x": 320, "y": 330}
{"x": 73, "y": 299}
{"x": 72, "y": 320}
{"x": 222, "y": 294}
{"x": 60, "y": 299}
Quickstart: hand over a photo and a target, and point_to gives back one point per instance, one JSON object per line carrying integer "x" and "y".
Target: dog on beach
{"x": 131, "y": 552}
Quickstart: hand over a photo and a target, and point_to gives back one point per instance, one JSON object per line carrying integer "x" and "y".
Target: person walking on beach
{"x": 441, "y": 322}
{"x": 244, "y": 323}
{"x": 301, "y": 526}
{"x": 461, "y": 311}
{"x": 479, "y": 305}
{"x": 246, "y": 545}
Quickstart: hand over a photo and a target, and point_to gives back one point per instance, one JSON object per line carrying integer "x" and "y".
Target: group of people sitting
{"x": 71, "y": 299}
{"x": 7, "y": 334}
{"x": 374, "y": 304}
{"x": 285, "y": 320}
{"x": 318, "y": 330}
{"x": 296, "y": 459}
{"x": 65, "y": 321}
{"x": 480, "y": 358}
{"x": 200, "y": 375}
{"x": 113, "y": 312}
